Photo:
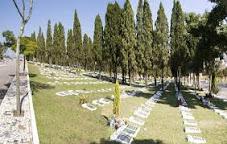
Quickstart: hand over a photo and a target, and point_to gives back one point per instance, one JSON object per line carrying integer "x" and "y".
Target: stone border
{"x": 35, "y": 136}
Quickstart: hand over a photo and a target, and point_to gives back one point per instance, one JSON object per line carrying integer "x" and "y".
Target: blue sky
{"x": 63, "y": 10}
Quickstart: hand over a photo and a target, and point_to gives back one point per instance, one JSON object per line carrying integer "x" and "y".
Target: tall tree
{"x": 49, "y": 43}
{"x": 98, "y": 43}
{"x": 56, "y": 45}
{"x": 139, "y": 51}
{"x": 178, "y": 46}
{"x": 41, "y": 50}
{"x": 128, "y": 58}
{"x": 77, "y": 40}
{"x": 85, "y": 51}
{"x": 70, "y": 48}
{"x": 147, "y": 39}
{"x": 112, "y": 36}
{"x": 161, "y": 40}
{"x": 62, "y": 47}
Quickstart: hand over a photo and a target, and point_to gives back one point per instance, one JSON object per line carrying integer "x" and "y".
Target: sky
{"x": 63, "y": 11}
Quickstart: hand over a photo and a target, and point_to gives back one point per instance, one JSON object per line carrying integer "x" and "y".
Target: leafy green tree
{"x": 117, "y": 100}
{"x": 77, "y": 40}
{"x": 10, "y": 39}
{"x": 161, "y": 40}
{"x": 70, "y": 48}
{"x": 33, "y": 36}
{"x": 139, "y": 50}
{"x": 147, "y": 39}
{"x": 128, "y": 58}
{"x": 98, "y": 43}
{"x": 27, "y": 47}
{"x": 49, "y": 43}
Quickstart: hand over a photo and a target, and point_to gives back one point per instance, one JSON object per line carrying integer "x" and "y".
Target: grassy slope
{"x": 61, "y": 120}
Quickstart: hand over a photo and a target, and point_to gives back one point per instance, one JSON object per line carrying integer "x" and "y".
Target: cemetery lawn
{"x": 62, "y": 120}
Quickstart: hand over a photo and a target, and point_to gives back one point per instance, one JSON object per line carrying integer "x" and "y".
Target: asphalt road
{"x": 7, "y": 69}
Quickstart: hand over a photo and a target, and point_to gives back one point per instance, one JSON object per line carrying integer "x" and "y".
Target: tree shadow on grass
{"x": 219, "y": 103}
{"x": 31, "y": 75}
{"x": 36, "y": 86}
{"x": 135, "y": 141}
{"x": 168, "y": 97}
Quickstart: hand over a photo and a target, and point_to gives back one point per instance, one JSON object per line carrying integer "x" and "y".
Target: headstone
{"x": 196, "y": 139}
{"x": 192, "y": 130}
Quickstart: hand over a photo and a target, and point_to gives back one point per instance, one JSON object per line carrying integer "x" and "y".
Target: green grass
{"x": 212, "y": 125}
{"x": 61, "y": 120}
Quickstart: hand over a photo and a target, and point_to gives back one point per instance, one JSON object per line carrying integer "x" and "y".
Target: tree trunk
{"x": 18, "y": 106}
{"x": 162, "y": 81}
{"x": 146, "y": 77}
{"x": 100, "y": 69}
{"x": 129, "y": 75}
{"x": 198, "y": 81}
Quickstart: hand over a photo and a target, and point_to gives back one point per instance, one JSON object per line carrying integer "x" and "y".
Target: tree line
{"x": 140, "y": 49}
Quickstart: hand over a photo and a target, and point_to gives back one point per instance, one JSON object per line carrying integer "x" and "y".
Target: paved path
{"x": 6, "y": 69}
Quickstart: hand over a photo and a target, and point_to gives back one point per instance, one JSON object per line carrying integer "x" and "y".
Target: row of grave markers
{"x": 191, "y": 126}
{"x": 125, "y": 134}
{"x": 76, "y": 83}
{"x": 77, "y": 92}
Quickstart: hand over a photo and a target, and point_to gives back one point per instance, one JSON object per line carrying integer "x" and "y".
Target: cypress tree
{"x": 98, "y": 43}
{"x": 85, "y": 51}
{"x": 77, "y": 40}
{"x": 90, "y": 58}
{"x": 161, "y": 40}
{"x": 128, "y": 60}
{"x": 70, "y": 48}
{"x": 139, "y": 52}
{"x": 62, "y": 48}
{"x": 112, "y": 36}
{"x": 178, "y": 45}
{"x": 56, "y": 45}
{"x": 33, "y": 38}
{"x": 41, "y": 47}
{"x": 49, "y": 43}
{"x": 147, "y": 39}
